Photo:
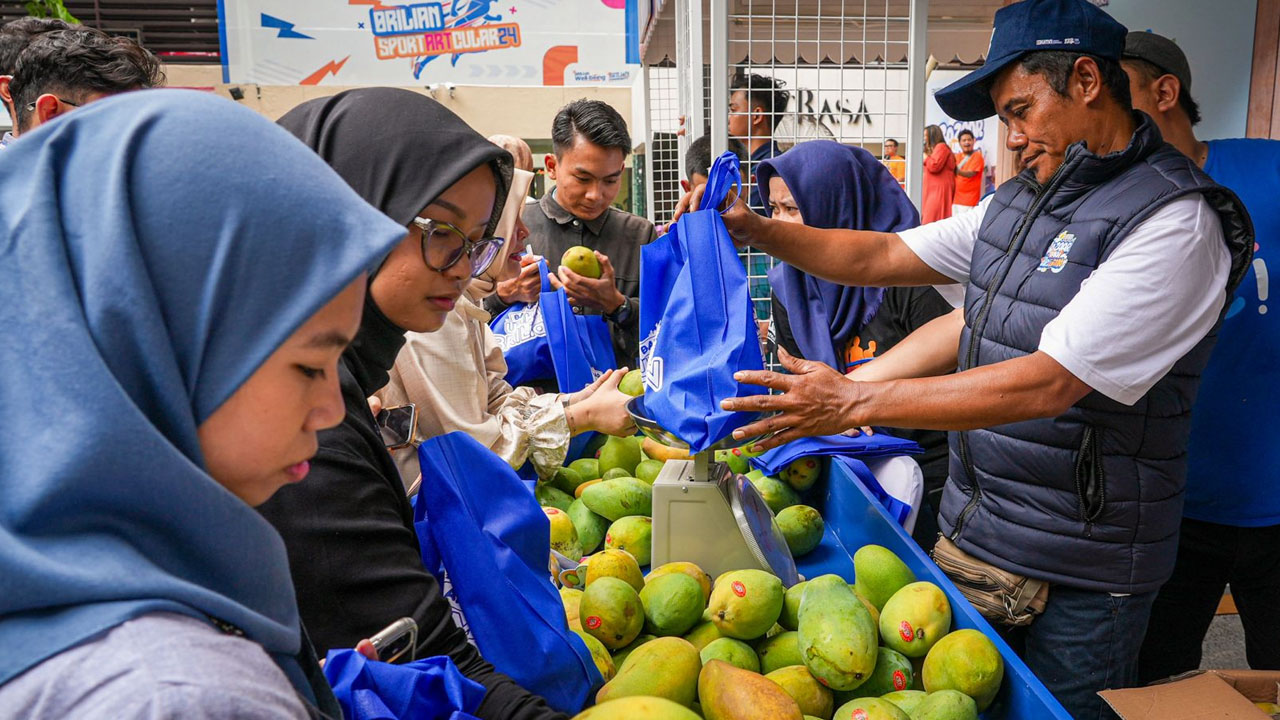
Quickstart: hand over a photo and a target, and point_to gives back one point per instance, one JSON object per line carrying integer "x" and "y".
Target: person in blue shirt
{"x": 1230, "y": 532}
{"x": 756, "y": 106}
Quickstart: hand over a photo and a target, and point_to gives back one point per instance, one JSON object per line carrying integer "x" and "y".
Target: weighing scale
{"x": 706, "y": 514}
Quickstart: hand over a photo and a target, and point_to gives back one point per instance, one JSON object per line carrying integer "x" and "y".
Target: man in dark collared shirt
{"x": 591, "y": 147}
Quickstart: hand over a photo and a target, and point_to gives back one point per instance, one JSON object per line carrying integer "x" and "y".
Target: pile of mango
{"x": 606, "y": 497}
{"x": 675, "y": 646}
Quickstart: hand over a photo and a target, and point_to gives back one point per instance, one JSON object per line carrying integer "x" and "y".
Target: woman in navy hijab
{"x": 173, "y": 304}
{"x": 824, "y": 184}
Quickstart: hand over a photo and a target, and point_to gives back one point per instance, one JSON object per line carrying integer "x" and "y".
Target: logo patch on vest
{"x": 1056, "y": 259}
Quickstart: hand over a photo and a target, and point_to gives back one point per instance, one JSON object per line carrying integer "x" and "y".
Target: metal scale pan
{"x": 705, "y": 514}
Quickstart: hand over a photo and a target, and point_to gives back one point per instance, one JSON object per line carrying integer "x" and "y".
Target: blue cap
{"x": 1028, "y": 26}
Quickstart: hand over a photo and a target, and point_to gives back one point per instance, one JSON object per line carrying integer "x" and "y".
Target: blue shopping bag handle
{"x": 725, "y": 174}
{"x": 544, "y": 271}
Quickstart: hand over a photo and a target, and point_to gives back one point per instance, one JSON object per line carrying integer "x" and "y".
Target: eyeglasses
{"x": 443, "y": 245}
{"x": 31, "y": 107}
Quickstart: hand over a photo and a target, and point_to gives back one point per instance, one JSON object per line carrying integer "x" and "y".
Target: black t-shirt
{"x": 901, "y": 312}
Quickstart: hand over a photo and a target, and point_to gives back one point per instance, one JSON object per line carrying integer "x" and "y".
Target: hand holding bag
{"x": 697, "y": 325}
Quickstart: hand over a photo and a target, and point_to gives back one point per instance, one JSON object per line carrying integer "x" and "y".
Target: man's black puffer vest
{"x": 1092, "y": 498}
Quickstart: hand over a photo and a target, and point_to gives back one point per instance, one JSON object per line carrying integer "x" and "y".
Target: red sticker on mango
{"x": 899, "y": 680}
{"x": 593, "y": 622}
{"x": 738, "y": 589}
{"x": 859, "y": 714}
{"x": 906, "y": 632}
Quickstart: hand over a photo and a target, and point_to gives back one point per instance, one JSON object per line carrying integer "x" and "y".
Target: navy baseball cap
{"x": 1028, "y": 26}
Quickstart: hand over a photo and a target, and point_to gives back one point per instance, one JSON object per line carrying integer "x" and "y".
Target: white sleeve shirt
{"x": 1156, "y": 296}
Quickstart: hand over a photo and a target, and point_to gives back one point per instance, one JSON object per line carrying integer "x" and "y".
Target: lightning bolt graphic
{"x": 331, "y": 67}
{"x": 284, "y": 26}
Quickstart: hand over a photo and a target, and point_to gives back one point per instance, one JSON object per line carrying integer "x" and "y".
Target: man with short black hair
{"x": 591, "y": 145}
{"x": 61, "y": 70}
{"x": 1230, "y": 532}
{"x": 969, "y": 168}
{"x": 756, "y": 106}
{"x": 697, "y": 160}
{"x": 14, "y": 36}
{"x": 1096, "y": 282}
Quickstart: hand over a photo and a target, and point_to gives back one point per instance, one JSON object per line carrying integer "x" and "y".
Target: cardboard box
{"x": 1199, "y": 695}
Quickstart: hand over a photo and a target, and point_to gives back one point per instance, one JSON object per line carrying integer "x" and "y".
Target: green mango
{"x": 790, "y": 618}
{"x": 620, "y": 454}
{"x": 588, "y": 468}
{"x": 802, "y": 473}
{"x": 631, "y": 384}
{"x": 837, "y": 636}
{"x": 620, "y": 657}
{"x": 745, "y": 604}
{"x": 592, "y": 450}
{"x": 613, "y": 499}
{"x": 567, "y": 479}
{"x": 591, "y": 527}
{"x": 614, "y": 474}
{"x": 734, "y": 652}
{"x": 755, "y": 474}
{"x": 666, "y": 667}
{"x": 629, "y": 708}
{"x": 688, "y": 568}
{"x": 916, "y": 617}
{"x": 611, "y": 611}
{"x": 781, "y": 650}
{"x": 777, "y": 494}
{"x": 648, "y": 470}
{"x": 802, "y": 527}
{"x": 871, "y": 709}
{"x": 551, "y": 496}
{"x": 892, "y": 673}
{"x": 906, "y": 700}
{"x": 614, "y": 563}
{"x": 731, "y": 693}
{"x": 703, "y": 634}
{"x": 599, "y": 655}
{"x": 809, "y": 694}
{"x": 965, "y": 660}
{"x": 672, "y": 604}
{"x": 946, "y": 705}
{"x": 634, "y": 534}
{"x": 564, "y": 536}
{"x": 734, "y": 458}
{"x": 878, "y": 573}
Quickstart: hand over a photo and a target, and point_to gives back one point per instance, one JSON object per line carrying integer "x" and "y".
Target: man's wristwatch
{"x": 622, "y": 314}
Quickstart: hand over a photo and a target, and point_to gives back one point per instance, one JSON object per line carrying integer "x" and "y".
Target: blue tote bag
{"x": 864, "y": 447}
{"x": 547, "y": 340}
{"x": 428, "y": 689}
{"x": 697, "y": 325}
{"x": 479, "y": 525}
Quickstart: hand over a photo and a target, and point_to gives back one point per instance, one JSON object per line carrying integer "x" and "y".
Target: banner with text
{"x": 467, "y": 42}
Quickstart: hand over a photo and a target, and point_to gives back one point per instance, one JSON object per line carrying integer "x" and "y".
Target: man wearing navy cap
{"x": 1096, "y": 280}
{"x": 1231, "y": 520}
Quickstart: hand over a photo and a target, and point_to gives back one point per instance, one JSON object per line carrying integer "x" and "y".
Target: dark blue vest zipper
{"x": 1043, "y": 193}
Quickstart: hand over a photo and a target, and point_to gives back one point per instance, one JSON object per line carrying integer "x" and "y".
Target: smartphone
{"x": 398, "y": 425}
{"x": 396, "y": 639}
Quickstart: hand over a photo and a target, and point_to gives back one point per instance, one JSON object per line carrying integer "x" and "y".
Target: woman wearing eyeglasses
{"x": 456, "y": 377}
{"x": 353, "y": 552}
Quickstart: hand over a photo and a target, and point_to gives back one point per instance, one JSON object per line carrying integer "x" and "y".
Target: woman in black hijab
{"x": 353, "y": 552}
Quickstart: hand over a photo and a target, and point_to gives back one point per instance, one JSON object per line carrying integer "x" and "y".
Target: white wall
{"x": 1217, "y": 37}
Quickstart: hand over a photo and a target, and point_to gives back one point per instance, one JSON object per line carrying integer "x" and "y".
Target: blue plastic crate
{"x": 854, "y": 519}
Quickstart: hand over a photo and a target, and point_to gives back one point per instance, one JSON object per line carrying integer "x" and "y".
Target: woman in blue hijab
{"x": 825, "y": 184}
{"x": 173, "y": 304}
